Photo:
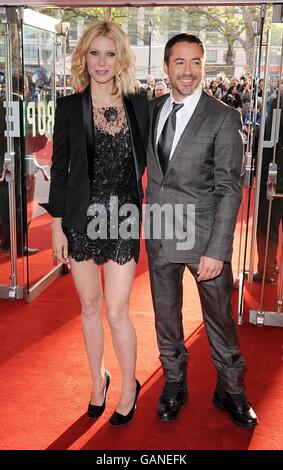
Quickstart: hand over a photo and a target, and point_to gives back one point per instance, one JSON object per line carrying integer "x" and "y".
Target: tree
{"x": 233, "y": 23}
{"x": 122, "y": 15}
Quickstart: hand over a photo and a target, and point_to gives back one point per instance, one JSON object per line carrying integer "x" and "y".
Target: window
{"x": 2, "y": 51}
{"x": 275, "y": 58}
{"x": 73, "y": 33}
{"x": 31, "y": 53}
{"x": 211, "y": 56}
{"x": 211, "y": 38}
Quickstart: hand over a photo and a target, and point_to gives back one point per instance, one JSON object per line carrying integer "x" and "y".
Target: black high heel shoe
{"x": 95, "y": 411}
{"x": 119, "y": 420}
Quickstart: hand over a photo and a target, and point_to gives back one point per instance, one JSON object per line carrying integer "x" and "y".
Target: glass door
{"x": 260, "y": 293}
{"x": 39, "y": 75}
{"x": 30, "y": 45}
{"x": 12, "y": 262}
{"x": 42, "y": 49}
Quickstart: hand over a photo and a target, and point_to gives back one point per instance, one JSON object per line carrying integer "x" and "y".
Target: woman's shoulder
{"x": 68, "y": 100}
{"x": 69, "y": 105}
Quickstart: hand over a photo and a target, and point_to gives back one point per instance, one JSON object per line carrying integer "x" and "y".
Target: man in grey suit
{"x": 194, "y": 161}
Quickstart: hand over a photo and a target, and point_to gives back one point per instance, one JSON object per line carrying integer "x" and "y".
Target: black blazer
{"x": 74, "y": 147}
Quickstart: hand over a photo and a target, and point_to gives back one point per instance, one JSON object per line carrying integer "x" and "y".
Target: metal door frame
{"x": 40, "y": 21}
{"x": 258, "y": 317}
{"x": 9, "y": 19}
{"x": 19, "y": 17}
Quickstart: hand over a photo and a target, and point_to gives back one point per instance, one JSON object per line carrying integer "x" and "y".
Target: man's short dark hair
{"x": 182, "y": 37}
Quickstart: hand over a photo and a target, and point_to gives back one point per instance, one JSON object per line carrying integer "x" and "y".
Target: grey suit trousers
{"x": 166, "y": 280}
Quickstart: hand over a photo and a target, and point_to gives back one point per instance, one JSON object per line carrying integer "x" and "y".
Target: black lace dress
{"x": 113, "y": 217}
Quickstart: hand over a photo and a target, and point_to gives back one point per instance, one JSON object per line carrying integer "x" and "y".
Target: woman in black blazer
{"x": 95, "y": 199}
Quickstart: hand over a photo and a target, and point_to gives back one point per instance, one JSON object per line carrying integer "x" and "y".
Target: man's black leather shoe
{"x": 173, "y": 396}
{"x": 237, "y": 406}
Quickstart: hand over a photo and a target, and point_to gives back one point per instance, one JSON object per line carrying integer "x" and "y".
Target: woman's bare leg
{"x": 86, "y": 275}
{"x": 118, "y": 284}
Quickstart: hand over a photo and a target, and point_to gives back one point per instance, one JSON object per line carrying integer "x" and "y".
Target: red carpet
{"x": 45, "y": 380}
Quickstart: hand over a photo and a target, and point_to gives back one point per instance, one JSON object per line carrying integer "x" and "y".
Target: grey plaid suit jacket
{"x": 204, "y": 170}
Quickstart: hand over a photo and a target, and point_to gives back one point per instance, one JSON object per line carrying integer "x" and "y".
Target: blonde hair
{"x": 125, "y": 72}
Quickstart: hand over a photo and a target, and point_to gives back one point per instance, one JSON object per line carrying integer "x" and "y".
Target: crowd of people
{"x": 235, "y": 92}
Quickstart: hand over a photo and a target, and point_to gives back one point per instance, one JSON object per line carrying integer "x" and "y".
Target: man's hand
{"x": 209, "y": 268}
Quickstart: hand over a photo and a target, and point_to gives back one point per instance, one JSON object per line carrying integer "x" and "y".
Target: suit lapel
{"x": 189, "y": 131}
{"x": 135, "y": 134}
{"x": 88, "y": 122}
{"x": 154, "y": 126}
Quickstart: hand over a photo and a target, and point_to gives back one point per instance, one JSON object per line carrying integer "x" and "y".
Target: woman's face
{"x": 101, "y": 59}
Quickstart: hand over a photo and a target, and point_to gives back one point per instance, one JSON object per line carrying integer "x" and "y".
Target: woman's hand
{"x": 59, "y": 242}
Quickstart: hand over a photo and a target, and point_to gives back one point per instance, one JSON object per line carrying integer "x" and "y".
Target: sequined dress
{"x": 112, "y": 231}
